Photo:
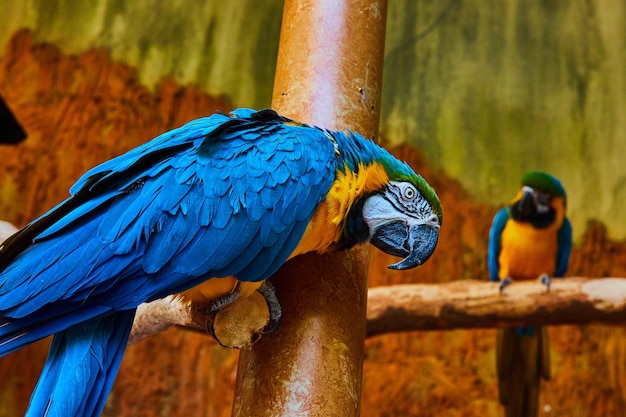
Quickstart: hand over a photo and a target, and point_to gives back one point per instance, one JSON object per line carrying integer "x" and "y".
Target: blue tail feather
{"x": 81, "y": 367}
{"x": 17, "y": 333}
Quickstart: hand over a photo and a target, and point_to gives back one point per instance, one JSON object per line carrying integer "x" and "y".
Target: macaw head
{"x": 378, "y": 198}
{"x": 541, "y": 201}
{"x": 399, "y": 213}
{"x": 404, "y": 218}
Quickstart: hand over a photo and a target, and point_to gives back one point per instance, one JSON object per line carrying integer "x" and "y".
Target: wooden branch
{"x": 473, "y": 304}
{"x": 453, "y": 305}
{"x": 237, "y": 325}
{"x": 6, "y": 230}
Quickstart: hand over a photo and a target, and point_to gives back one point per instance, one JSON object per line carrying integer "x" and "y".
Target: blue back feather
{"x": 161, "y": 218}
{"x": 564, "y": 248}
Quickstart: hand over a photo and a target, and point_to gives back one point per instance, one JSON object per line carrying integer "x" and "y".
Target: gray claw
{"x": 545, "y": 280}
{"x": 505, "y": 283}
{"x": 268, "y": 291}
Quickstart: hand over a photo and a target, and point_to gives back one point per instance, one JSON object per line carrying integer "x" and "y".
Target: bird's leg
{"x": 505, "y": 283}
{"x": 545, "y": 280}
{"x": 228, "y": 299}
{"x": 268, "y": 291}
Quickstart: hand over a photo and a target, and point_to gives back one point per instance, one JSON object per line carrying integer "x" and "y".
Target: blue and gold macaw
{"x": 529, "y": 239}
{"x": 227, "y": 195}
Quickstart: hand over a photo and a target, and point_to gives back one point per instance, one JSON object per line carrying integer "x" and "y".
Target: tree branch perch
{"x": 479, "y": 304}
{"x": 453, "y": 305}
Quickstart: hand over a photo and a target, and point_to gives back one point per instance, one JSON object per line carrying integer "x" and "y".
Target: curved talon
{"x": 210, "y": 323}
{"x": 269, "y": 330}
{"x": 545, "y": 280}
{"x": 268, "y": 291}
{"x": 505, "y": 283}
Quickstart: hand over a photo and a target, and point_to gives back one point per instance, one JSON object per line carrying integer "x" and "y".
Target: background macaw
{"x": 529, "y": 239}
{"x": 220, "y": 196}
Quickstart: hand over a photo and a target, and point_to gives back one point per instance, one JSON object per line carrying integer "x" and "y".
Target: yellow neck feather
{"x": 325, "y": 228}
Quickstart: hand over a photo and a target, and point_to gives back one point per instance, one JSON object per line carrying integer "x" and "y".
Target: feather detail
{"x": 82, "y": 359}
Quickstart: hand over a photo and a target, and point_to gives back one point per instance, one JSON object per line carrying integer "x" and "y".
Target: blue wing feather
{"x": 162, "y": 218}
{"x": 229, "y": 249}
{"x": 171, "y": 240}
{"x": 266, "y": 262}
{"x": 77, "y": 376}
{"x": 564, "y": 248}
{"x": 495, "y": 234}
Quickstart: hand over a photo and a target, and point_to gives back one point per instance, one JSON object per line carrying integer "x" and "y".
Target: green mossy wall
{"x": 224, "y": 47}
{"x": 491, "y": 89}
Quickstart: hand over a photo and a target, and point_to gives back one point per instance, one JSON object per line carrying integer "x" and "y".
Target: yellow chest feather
{"x": 527, "y": 252}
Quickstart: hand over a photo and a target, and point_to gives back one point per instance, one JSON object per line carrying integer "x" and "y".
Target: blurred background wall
{"x": 475, "y": 93}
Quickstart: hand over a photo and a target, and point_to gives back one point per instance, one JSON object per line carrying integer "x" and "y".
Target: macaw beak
{"x": 415, "y": 243}
{"x": 527, "y": 204}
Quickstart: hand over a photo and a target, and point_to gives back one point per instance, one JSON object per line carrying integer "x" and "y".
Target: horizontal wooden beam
{"x": 476, "y": 304}
{"x": 6, "y": 230}
{"x": 454, "y": 305}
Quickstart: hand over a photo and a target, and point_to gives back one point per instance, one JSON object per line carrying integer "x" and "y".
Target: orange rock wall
{"x": 81, "y": 110}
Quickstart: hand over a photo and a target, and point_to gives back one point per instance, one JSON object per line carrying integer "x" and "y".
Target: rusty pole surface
{"x": 329, "y": 73}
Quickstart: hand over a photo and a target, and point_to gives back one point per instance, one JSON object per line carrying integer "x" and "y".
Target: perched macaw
{"x": 227, "y": 195}
{"x": 529, "y": 239}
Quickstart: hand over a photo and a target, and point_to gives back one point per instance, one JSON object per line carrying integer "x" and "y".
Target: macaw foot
{"x": 214, "y": 308}
{"x": 505, "y": 283}
{"x": 268, "y": 291}
{"x": 240, "y": 317}
{"x": 545, "y": 280}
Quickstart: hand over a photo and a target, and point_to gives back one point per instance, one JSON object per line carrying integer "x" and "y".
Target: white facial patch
{"x": 400, "y": 202}
{"x": 377, "y": 211}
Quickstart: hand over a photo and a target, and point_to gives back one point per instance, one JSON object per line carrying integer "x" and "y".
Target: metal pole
{"x": 329, "y": 74}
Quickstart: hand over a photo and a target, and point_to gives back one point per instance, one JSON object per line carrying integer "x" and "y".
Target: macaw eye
{"x": 409, "y": 193}
{"x": 543, "y": 198}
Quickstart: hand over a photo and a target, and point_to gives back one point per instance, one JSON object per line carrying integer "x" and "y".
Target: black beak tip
{"x": 421, "y": 252}
{"x": 405, "y": 264}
